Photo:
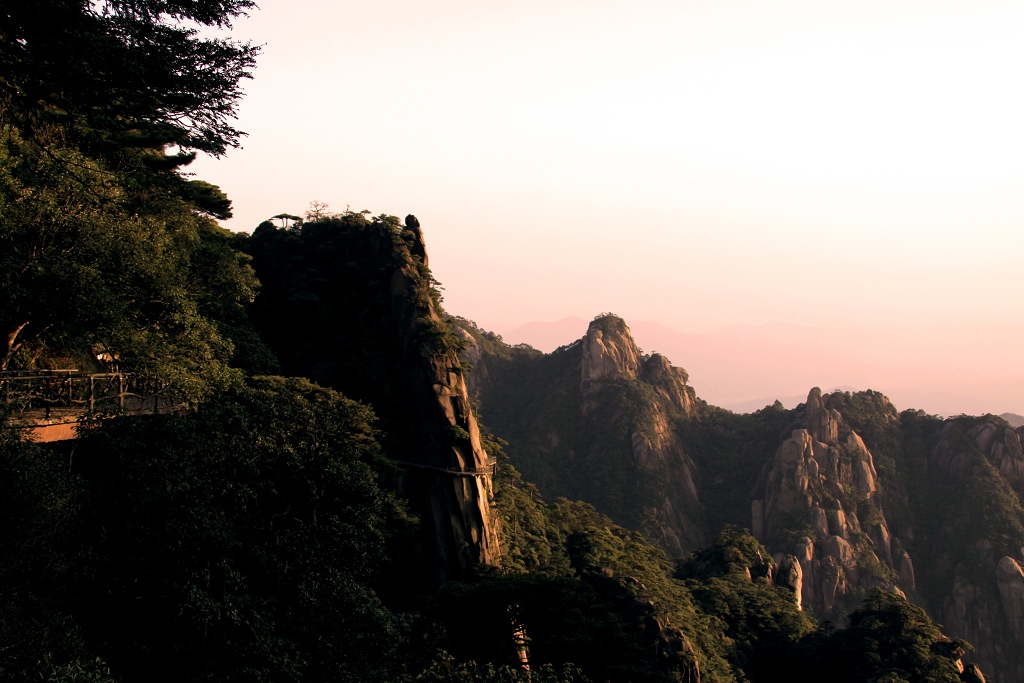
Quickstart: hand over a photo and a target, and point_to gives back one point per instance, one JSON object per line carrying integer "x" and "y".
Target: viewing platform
{"x": 49, "y": 404}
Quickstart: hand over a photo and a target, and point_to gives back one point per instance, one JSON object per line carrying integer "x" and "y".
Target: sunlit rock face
{"x": 597, "y": 420}
{"x": 670, "y": 382}
{"x": 847, "y": 494}
{"x": 609, "y": 351}
{"x": 959, "y": 552}
{"x": 673, "y": 511}
{"x": 466, "y": 524}
{"x": 1003, "y": 448}
{"x": 819, "y": 477}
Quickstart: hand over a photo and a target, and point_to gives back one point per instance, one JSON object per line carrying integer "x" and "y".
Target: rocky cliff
{"x": 613, "y": 365}
{"x": 807, "y": 507}
{"x": 449, "y": 469}
{"x": 847, "y": 493}
{"x": 975, "y": 540}
{"x": 939, "y": 519}
{"x": 348, "y": 302}
{"x": 594, "y": 421}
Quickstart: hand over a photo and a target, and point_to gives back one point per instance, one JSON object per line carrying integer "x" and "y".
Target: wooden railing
{"x": 487, "y": 471}
{"x": 44, "y": 392}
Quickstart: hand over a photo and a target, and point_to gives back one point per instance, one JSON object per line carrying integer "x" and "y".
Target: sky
{"x": 698, "y": 165}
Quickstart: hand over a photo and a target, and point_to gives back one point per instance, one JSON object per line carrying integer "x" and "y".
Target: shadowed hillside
{"x": 848, "y": 494}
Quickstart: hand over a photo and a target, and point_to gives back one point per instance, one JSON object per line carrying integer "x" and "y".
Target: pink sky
{"x": 853, "y": 166}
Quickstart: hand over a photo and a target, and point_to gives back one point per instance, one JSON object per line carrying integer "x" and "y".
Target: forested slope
{"x": 848, "y": 494}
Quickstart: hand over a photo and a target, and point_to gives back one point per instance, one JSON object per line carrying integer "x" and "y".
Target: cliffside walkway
{"x": 51, "y": 402}
{"x": 479, "y": 472}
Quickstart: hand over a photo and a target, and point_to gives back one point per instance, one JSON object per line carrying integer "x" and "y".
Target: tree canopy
{"x": 236, "y": 542}
{"x": 123, "y": 74}
{"x": 105, "y": 246}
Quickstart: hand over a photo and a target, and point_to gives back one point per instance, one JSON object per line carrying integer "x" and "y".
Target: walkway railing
{"x": 45, "y": 393}
{"x": 479, "y": 472}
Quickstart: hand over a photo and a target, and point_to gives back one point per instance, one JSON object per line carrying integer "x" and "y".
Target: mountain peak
{"x": 609, "y": 351}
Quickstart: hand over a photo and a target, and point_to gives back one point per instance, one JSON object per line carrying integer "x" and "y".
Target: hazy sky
{"x": 698, "y": 164}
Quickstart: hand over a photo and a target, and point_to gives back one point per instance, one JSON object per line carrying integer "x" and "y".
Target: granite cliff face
{"x": 805, "y": 508}
{"x": 347, "y": 301}
{"x": 942, "y": 523}
{"x": 594, "y": 420}
{"x": 977, "y": 541}
{"x": 611, "y": 362}
{"x": 451, "y": 469}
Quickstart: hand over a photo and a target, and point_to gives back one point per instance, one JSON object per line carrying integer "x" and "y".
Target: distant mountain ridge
{"x": 1014, "y": 419}
{"x": 945, "y": 370}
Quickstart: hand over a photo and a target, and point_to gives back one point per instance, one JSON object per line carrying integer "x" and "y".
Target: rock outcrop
{"x": 790, "y": 574}
{"x": 473, "y": 355}
{"x": 982, "y": 578}
{"x": 817, "y": 479}
{"x": 673, "y": 515}
{"x": 1002, "y": 446}
{"x": 610, "y": 353}
{"x": 451, "y": 471}
{"x": 1010, "y": 581}
{"x": 596, "y": 420}
{"x": 347, "y": 301}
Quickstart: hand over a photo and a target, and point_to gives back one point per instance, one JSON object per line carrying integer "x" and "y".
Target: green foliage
{"x": 730, "y": 582}
{"x": 888, "y": 639}
{"x": 75, "y": 672}
{"x": 105, "y": 247}
{"x": 235, "y": 542}
{"x": 729, "y": 450}
{"x": 491, "y": 344}
{"x": 571, "y": 539}
{"x": 733, "y": 552}
{"x": 530, "y": 541}
{"x": 118, "y": 78}
{"x": 533, "y": 400}
{"x": 88, "y": 266}
{"x": 239, "y": 541}
{"x": 445, "y": 669}
{"x": 566, "y": 621}
{"x": 39, "y": 551}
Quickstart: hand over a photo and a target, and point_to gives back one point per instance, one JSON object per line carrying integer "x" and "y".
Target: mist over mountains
{"x": 948, "y": 369}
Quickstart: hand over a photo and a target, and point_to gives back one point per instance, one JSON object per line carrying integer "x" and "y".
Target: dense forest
{"x": 320, "y": 501}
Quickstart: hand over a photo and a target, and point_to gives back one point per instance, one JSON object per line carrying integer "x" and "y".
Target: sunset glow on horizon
{"x": 697, "y": 164}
